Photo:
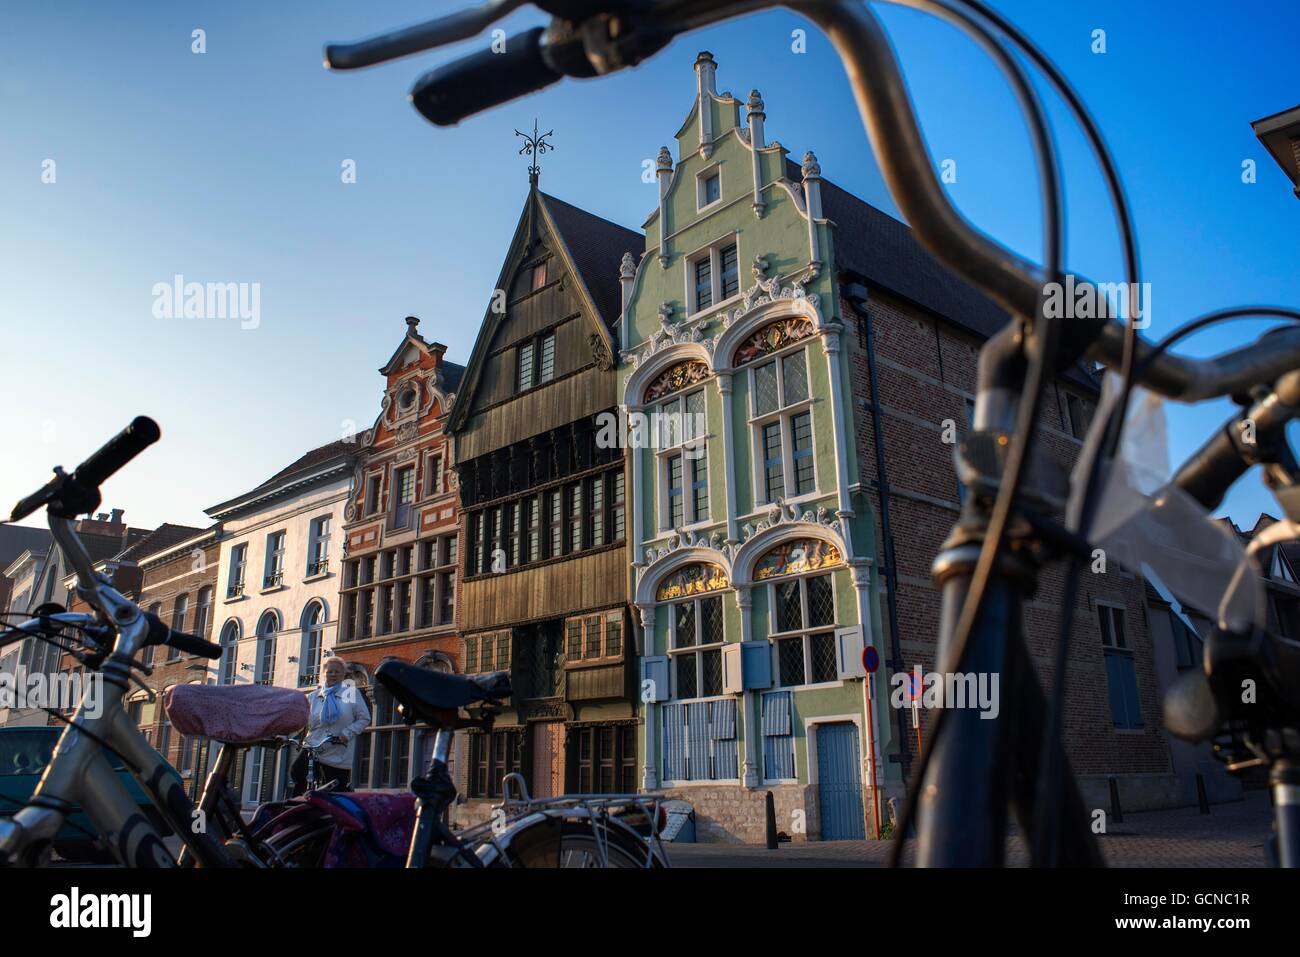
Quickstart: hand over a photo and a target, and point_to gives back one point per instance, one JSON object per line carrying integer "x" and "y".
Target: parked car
{"x": 24, "y": 753}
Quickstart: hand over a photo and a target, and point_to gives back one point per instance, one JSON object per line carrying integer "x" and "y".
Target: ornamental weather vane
{"x": 535, "y": 146}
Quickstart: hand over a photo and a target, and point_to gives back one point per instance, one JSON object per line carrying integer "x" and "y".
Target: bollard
{"x": 1201, "y": 798}
{"x": 770, "y": 803}
{"x": 1116, "y": 813}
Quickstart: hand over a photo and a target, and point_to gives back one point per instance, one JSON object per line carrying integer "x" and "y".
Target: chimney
{"x": 116, "y": 518}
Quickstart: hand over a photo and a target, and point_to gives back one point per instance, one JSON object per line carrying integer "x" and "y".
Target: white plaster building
{"x": 278, "y": 587}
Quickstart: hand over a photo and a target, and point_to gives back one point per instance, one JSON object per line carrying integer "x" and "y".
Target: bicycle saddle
{"x": 235, "y": 714}
{"x": 423, "y": 693}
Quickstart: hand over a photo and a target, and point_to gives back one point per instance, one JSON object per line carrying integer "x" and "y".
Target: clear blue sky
{"x": 226, "y": 167}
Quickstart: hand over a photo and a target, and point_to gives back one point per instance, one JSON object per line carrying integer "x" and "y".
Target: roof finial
{"x": 535, "y": 146}
{"x": 411, "y": 323}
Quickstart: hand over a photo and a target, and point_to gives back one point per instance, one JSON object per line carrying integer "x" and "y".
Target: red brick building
{"x": 921, "y": 329}
{"x": 400, "y": 550}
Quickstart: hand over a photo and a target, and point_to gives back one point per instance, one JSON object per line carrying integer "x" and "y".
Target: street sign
{"x": 870, "y": 659}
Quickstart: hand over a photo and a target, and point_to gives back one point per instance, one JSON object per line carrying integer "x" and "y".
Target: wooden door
{"x": 548, "y": 759}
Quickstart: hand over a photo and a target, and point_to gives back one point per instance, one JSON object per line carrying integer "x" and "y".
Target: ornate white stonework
{"x": 778, "y": 513}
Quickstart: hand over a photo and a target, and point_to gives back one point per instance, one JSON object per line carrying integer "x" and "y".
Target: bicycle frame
{"x": 80, "y": 775}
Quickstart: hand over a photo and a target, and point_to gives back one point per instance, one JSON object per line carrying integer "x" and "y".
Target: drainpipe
{"x": 856, "y": 294}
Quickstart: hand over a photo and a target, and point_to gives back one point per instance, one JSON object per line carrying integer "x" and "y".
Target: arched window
{"x": 267, "y": 628}
{"x": 229, "y": 652}
{"x": 180, "y": 610}
{"x": 780, "y": 409}
{"x": 141, "y": 711}
{"x": 146, "y": 653}
{"x": 203, "y": 612}
{"x": 801, "y": 608}
{"x": 313, "y": 629}
{"x": 695, "y": 633}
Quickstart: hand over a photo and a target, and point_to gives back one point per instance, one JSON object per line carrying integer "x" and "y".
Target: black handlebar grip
{"x": 117, "y": 451}
{"x": 1209, "y": 473}
{"x": 447, "y": 95}
{"x": 160, "y": 634}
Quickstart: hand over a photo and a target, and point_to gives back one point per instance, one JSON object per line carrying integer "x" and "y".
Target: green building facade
{"x": 752, "y": 545}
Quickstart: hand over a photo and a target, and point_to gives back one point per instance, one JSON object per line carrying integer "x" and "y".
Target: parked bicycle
{"x": 597, "y": 832}
{"x": 1009, "y": 525}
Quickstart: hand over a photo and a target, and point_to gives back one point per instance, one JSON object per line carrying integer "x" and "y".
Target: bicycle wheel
{"x": 573, "y": 844}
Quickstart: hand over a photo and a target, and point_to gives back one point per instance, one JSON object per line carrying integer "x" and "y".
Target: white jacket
{"x": 354, "y": 717}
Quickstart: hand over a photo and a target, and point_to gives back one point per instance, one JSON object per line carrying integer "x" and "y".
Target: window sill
{"x": 273, "y": 589}
{"x": 319, "y": 576}
{"x": 794, "y": 408}
{"x": 819, "y": 686}
{"x": 234, "y": 598}
{"x": 699, "y": 526}
{"x": 718, "y": 307}
{"x": 605, "y": 662}
{"x": 803, "y": 499}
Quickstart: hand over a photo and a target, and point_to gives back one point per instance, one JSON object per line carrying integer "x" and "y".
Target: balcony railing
{"x": 308, "y": 679}
{"x": 273, "y": 579}
{"x": 235, "y": 590}
{"x": 318, "y": 567}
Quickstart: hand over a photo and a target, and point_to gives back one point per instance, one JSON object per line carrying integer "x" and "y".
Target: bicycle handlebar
{"x": 456, "y": 90}
{"x": 160, "y": 634}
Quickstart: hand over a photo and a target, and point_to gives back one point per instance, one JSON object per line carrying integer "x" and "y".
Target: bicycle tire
{"x": 574, "y": 845}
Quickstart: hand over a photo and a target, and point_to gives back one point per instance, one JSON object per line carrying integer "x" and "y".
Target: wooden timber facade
{"x": 543, "y": 576}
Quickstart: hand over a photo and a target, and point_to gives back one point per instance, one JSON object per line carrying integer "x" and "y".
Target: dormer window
{"x": 535, "y": 361}
{"x": 714, "y": 275}
{"x": 708, "y": 188}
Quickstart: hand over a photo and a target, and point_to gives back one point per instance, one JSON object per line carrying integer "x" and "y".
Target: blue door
{"x": 839, "y": 782}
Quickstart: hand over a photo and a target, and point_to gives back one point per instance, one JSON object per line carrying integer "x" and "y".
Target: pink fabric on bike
{"x": 373, "y": 828}
{"x": 235, "y": 714}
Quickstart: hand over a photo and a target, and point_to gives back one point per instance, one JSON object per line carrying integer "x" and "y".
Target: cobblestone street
{"x": 1232, "y": 835}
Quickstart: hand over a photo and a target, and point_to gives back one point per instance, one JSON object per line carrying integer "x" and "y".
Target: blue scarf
{"x": 329, "y": 712}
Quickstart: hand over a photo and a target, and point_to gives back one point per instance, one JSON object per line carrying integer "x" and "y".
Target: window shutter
{"x": 757, "y": 664}
{"x": 1115, "y": 688}
{"x": 732, "y": 670}
{"x": 848, "y": 653}
{"x": 1131, "y": 705}
{"x": 655, "y": 670}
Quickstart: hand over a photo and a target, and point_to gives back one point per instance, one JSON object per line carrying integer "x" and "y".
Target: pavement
{"x": 1231, "y": 835}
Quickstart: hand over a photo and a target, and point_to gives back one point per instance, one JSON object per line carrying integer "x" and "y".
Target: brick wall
{"x": 164, "y": 582}
{"x": 926, "y": 373}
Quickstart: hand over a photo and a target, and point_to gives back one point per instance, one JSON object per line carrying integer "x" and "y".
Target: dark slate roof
{"x": 163, "y": 537}
{"x": 100, "y": 547}
{"x": 873, "y": 244}
{"x": 312, "y": 459}
{"x": 452, "y": 373}
{"x": 16, "y": 539}
{"x": 597, "y": 247}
